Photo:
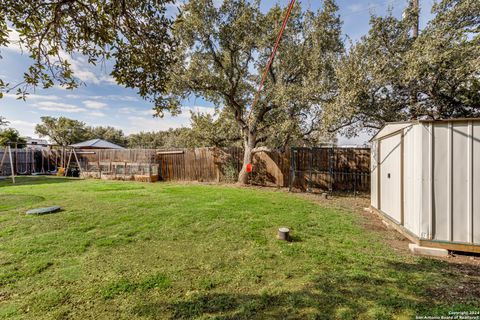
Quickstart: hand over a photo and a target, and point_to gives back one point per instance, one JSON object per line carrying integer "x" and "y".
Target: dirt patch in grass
{"x": 468, "y": 285}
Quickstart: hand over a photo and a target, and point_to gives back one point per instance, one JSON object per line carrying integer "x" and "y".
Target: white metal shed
{"x": 425, "y": 179}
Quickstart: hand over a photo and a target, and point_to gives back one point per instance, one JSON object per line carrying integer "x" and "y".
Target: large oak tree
{"x": 224, "y": 49}
{"x": 391, "y": 75}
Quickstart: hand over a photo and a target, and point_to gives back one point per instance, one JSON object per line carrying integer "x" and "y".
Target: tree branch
{"x": 261, "y": 149}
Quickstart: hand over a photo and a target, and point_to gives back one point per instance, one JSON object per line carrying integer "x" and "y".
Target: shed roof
{"x": 393, "y": 127}
{"x": 96, "y": 144}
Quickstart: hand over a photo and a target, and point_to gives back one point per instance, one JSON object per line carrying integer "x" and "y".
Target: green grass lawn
{"x": 122, "y": 250}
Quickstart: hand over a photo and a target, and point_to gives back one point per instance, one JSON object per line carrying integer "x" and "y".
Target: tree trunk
{"x": 249, "y": 144}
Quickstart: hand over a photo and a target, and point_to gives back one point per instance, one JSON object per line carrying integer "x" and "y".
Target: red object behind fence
{"x": 249, "y": 167}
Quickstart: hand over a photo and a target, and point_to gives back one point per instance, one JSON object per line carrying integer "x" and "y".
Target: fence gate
{"x": 330, "y": 169}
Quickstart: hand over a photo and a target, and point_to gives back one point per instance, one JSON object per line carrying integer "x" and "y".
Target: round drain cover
{"x": 44, "y": 210}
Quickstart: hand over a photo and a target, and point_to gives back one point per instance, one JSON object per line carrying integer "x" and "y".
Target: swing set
{"x": 9, "y": 150}
{"x": 30, "y": 161}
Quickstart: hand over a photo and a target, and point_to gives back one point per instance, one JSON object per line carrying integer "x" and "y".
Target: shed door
{"x": 390, "y": 176}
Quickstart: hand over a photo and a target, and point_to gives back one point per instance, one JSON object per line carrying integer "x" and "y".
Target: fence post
{"x": 310, "y": 162}
{"x": 355, "y": 157}
{"x": 11, "y": 164}
{"x": 292, "y": 167}
{"x": 330, "y": 168}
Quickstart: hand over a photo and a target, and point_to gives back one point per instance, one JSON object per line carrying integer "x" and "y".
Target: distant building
{"x": 96, "y": 144}
{"x": 36, "y": 143}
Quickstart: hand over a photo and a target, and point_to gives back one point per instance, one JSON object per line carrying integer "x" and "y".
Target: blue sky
{"x": 101, "y": 102}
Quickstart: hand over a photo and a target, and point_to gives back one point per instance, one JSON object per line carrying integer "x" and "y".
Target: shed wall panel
{"x": 373, "y": 175}
{"x": 476, "y": 183}
{"x": 460, "y": 179}
{"x": 390, "y": 179}
{"x": 412, "y": 178}
{"x": 425, "y": 197}
{"x": 440, "y": 182}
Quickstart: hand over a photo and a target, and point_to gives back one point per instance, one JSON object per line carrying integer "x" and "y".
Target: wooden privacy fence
{"x": 305, "y": 169}
{"x": 200, "y": 164}
{"x": 330, "y": 168}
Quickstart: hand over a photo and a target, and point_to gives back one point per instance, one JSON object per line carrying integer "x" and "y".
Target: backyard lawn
{"x": 135, "y": 250}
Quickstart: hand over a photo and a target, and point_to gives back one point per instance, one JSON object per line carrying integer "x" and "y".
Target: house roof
{"x": 96, "y": 144}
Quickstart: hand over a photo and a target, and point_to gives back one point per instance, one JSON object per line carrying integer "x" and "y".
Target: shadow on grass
{"x": 329, "y": 296}
{"x": 461, "y": 280}
{"x": 35, "y": 180}
{"x": 401, "y": 289}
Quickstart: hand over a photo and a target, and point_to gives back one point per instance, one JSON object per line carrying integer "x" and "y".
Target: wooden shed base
{"x": 453, "y": 246}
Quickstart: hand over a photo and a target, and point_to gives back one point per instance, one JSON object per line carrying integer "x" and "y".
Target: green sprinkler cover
{"x": 44, "y": 210}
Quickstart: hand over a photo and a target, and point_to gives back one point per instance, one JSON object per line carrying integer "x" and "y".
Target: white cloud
{"x": 201, "y": 109}
{"x": 186, "y": 111}
{"x": 97, "y": 114}
{"x": 73, "y": 96}
{"x": 136, "y": 111}
{"x": 79, "y": 65}
{"x": 59, "y": 87}
{"x": 127, "y": 110}
{"x": 117, "y": 98}
{"x": 110, "y": 97}
{"x": 79, "y": 68}
{"x": 26, "y": 128}
{"x": 137, "y": 124}
{"x": 142, "y": 120}
{"x": 356, "y": 7}
{"x": 150, "y": 112}
{"x": 109, "y": 79}
{"x": 84, "y": 75}
{"x": 123, "y": 98}
{"x": 91, "y": 104}
{"x": 85, "y": 71}
{"x": 58, "y": 106}
{"x": 14, "y": 39}
{"x": 33, "y": 97}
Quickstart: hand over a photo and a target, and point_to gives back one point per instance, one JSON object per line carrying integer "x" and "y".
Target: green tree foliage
{"x": 391, "y": 76}
{"x": 172, "y": 138}
{"x": 63, "y": 131}
{"x": 210, "y": 131}
{"x": 222, "y": 131}
{"x": 444, "y": 62}
{"x": 135, "y": 34}
{"x": 371, "y": 88}
{"x": 106, "y": 133}
{"x": 146, "y": 140}
{"x": 3, "y": 122}
{"x": 11, "y": 136}
{"x": 223, "y": 51}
